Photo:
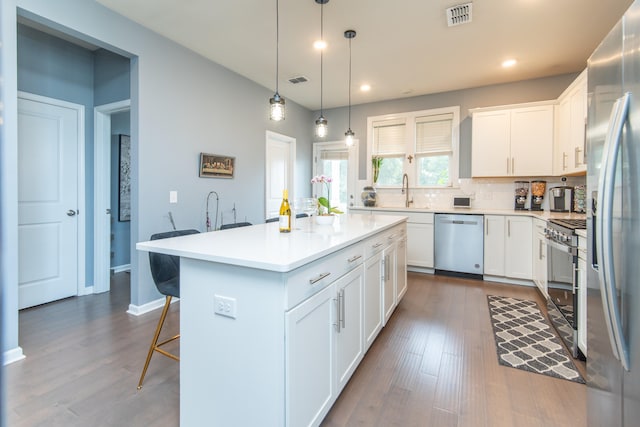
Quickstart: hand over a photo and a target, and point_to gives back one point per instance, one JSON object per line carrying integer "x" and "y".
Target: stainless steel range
{"x": 562, "y": 275}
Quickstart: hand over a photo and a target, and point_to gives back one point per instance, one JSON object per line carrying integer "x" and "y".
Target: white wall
{"x": 182, "y": 104}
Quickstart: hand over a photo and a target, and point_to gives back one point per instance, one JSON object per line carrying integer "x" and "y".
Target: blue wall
{"x": 51, "y": 67}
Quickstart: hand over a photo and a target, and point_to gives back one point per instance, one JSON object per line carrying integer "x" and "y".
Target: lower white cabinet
{"x": 389, "y": 282}
{"x": 508, "y": 246}
{"x": 372, "y": 298}
{"x": 420, "y": 244}
{"x": 539, "y": 249}
{"x": 324, "y": 347}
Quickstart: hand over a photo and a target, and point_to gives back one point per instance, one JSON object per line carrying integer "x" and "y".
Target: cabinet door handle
{"x": 377, "y": 245}
{"x": 540, "y": 249}
{"x": 507, "y": 166}
{"x": 354, "y": 258}
{"x": 342, "y": 309}
{"x": 576, "y": 157}
{"x": 564, "y": 160}
{"x": 513, "y": 165}
{"x": 486, "y": 226}
{"x": 337, "y": 324}
{"x": 317, "y": 279}
{"x": 508, "y": 228}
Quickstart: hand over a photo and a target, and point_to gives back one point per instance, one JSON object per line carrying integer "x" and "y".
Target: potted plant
{"x": 376, "y": 162}
{"x": 324, "y": 203}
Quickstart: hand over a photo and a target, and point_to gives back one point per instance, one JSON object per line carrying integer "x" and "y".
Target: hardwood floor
{"x": 434, "y": 364}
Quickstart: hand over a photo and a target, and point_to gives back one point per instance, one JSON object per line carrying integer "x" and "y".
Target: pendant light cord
{"x": 321, "y": 53}
{"x": 277, "y": 41}
{"x": 349, "y": 83}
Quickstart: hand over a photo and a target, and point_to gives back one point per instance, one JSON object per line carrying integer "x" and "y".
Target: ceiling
{"x": 403, "y": 48}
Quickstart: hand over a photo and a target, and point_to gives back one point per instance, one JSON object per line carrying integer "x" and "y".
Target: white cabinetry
{"x": 582, "y": 294}
{"x": 508, "y": 246}
{"x": 539, "y": 249}
{"x": 512, "y": 141}
{"x": 571, "y": 115}
{"x": 420, "y": 240}
{"x": 372, "y": 298}
{"x": 401, "y": 269}
{"x": 389, "y": 282}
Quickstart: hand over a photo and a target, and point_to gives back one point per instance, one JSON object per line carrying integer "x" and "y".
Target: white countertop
{"x": 546, "y": 215}
{"x": 263, "y": 247}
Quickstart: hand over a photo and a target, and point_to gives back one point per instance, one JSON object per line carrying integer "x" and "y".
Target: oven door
{"x": 561, "y": 270}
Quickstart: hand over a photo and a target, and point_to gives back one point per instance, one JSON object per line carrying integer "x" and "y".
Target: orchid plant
{"x": 324, "y": 203}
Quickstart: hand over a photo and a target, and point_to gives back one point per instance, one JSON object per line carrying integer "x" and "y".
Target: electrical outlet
{"x": 224, "y": 306}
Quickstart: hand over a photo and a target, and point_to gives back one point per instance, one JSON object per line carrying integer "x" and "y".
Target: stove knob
{"x": 564, "y": 237}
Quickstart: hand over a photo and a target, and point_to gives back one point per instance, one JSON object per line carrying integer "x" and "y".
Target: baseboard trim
{"x": 87, "y": 290}
{"x": 13, "y": 355}
{"x": 415, "y": 269}
{"x": 139, "y": 310}
{"x": 509, "y": 281}
{"x": 120, "y": 268}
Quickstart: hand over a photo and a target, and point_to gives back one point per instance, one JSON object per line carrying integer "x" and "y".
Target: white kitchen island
{"x": 272, "y": 324}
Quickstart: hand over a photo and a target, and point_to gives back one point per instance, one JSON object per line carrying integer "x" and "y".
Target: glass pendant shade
{"x": 277, "y": 107}
{"x": 321, "y": 127}
{"x": 349, "y": 137}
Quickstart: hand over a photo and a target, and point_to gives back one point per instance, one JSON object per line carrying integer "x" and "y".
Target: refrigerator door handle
{"x": 604, "y": 228}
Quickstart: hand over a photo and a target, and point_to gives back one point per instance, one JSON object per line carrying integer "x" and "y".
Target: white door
{"x": 48, "y": 142}
{"x": 336, "y": 160}
{"x": 280, "y": 160}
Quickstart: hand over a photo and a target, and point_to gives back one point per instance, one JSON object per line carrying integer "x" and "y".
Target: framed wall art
{"x": 216, "y": 166}
{"x": 124, "y": 193}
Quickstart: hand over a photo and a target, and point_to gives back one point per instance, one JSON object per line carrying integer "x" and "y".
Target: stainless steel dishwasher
{"x": 459, "y": 244}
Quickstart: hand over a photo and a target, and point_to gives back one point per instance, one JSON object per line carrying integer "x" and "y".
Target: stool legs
{"x": 154, "y": 343}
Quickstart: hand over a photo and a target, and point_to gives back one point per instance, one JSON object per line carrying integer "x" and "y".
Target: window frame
{"x": 411, "y": 168}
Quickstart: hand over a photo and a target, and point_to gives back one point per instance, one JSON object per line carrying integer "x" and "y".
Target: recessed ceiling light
{"x": 365, "y": 87}
{"x": 320, "y": 44}
{"x": 509, "y": 63}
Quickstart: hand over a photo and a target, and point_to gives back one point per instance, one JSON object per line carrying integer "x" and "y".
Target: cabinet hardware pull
{"x": 317, "y": 279}
{"x": 576, "y": 157}
{"x": 507, "y": 166}
{"x": 540, "y": 249}
{"x": 509, "y": 228}
{"x": 486, "y": 227}
{"x": 564, "y": 160}
{"x": 513, "y": 165}
{"x": 377, "y": 245}
{"x": 393, "y": 236}
{"x": 342, "y": 309}
{"x": 337, "y": 324}
{"x": 354, "y": 258}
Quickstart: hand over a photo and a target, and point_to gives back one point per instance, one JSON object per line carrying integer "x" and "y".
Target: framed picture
{"x": 124, "y": 193}
{"x": 216, "y": 166}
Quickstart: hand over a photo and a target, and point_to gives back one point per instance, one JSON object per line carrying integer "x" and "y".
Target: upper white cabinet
{"x": 513, "y": 141}
{"x": 571, "y": 116}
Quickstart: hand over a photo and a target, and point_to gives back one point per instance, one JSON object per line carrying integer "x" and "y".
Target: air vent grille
{"x": 299, "y": 79}
{"x": 460, "y": 14}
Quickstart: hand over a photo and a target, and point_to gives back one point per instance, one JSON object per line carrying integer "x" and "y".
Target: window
{"x": 422, "y": 144}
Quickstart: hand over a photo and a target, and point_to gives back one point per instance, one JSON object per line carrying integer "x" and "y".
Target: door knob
{"x": 71, "y": 212}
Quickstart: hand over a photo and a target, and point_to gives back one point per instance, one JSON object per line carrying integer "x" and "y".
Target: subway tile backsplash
{"x": 485, "y": 193}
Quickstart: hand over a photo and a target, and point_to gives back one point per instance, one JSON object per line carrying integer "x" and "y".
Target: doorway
{"x": 338, "y": 161}
{"x": 50, "y": 194}
{"x": 279, "y": 170}
{"x": 105, "y": 212}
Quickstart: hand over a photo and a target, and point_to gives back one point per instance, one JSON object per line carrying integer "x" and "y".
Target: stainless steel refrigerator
{"x": 613, "y": 227}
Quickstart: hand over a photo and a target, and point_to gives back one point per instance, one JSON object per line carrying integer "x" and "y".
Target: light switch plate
{"x": 173, "y": 197}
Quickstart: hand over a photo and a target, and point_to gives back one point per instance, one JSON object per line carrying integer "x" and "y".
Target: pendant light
{"x": 321, "y": 123}
{"x": 277, "y": 102}
{"x": 349, "y": 34}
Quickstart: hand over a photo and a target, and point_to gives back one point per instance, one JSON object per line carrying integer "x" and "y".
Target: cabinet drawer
{"x": 306, "y": 281}
{"x": 377, "y": 243}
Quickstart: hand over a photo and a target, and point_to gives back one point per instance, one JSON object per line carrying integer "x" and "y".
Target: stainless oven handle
{"x": 604, "y": 229}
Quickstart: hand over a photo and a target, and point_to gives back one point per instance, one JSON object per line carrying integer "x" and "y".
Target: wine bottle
{"x": 285, "y": 213}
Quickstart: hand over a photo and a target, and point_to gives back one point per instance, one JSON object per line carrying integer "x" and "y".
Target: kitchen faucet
{"x": 407, "y": 202}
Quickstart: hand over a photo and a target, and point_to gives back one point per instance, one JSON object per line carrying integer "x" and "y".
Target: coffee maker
{"x": 522, "y": 191}
{"x": 561, "y": 198}
{"x": 537, "y": 194}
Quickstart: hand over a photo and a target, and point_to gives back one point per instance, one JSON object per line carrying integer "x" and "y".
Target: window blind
{"x": 334, "y": 155}
{"x": 389, "y": 137}
{"x": 433, "y": 134}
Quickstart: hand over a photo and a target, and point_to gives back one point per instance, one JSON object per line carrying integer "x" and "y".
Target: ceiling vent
{"x": 299, "y": 79}
{"x": 460, "y": 14}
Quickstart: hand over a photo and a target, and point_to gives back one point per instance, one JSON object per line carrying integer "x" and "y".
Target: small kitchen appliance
{"x": 561, "y": 198}
{"x": 579, "y": 199}
{"x": 522, "y": 192}
{"x": 538, "y": 189}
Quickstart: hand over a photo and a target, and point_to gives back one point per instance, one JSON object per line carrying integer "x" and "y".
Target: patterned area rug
{"x": 524, "y": 339}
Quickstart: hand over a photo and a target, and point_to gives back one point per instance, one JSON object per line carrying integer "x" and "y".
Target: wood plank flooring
{"x": 434, "y": 364}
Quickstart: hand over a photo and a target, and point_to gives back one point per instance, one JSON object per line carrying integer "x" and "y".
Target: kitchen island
{"x": 274, "y": 324}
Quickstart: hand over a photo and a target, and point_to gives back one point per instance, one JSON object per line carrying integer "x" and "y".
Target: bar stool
{"x": 165, "y": 270}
